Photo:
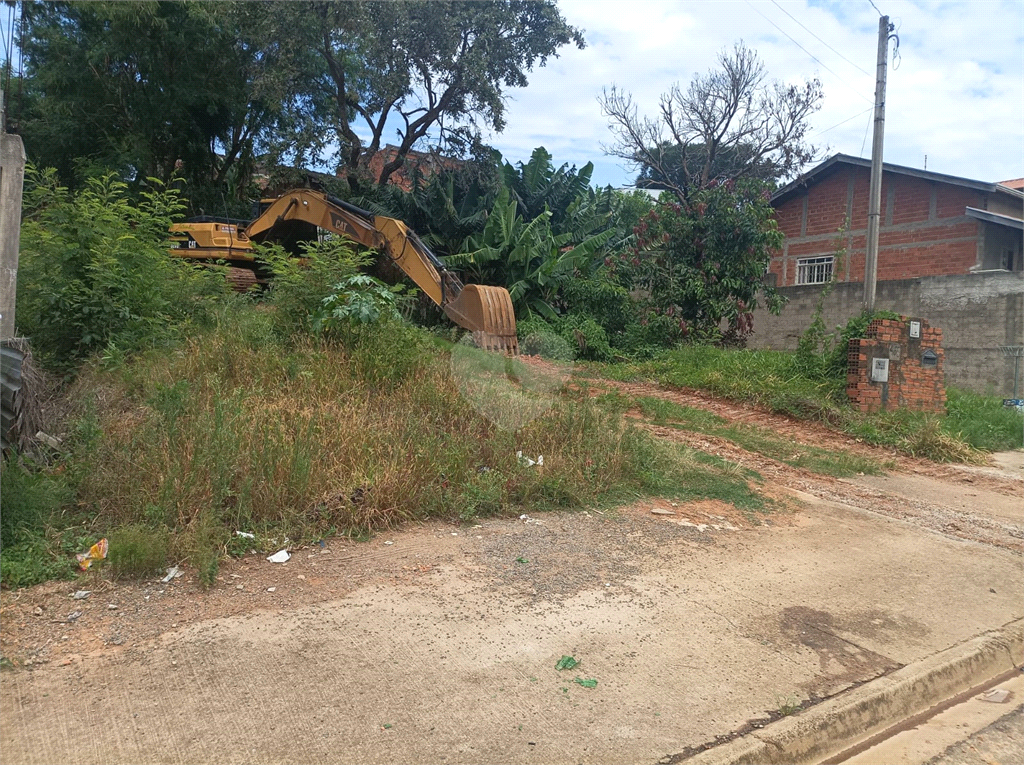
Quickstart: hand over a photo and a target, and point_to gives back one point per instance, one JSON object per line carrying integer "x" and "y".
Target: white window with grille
{"x": 814, "y": 270}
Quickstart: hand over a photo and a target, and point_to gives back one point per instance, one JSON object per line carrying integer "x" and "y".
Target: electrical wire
{"x": 875, "y": 7}
{"x": 815, "y": 58}
{"x": 855, "y": 116}
{"x": 865, "y": 141}
{"x": 844, "y": 58}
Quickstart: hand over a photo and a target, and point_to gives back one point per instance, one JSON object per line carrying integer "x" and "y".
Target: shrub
{"x": 586, "y": 337}
{"x": 606, "y": 302}
{"x": 95, "y": 272}
{"x": 539, "y": 338}
{"x": 137, "y": 551}
{"x": 356, "y": 301}
{"x": 301, "y": 284}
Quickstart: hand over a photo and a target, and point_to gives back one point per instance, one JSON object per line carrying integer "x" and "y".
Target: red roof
{"x": 1016, "y": 183}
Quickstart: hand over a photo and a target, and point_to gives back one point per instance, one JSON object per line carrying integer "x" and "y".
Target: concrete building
{"x": 951, "y": 250}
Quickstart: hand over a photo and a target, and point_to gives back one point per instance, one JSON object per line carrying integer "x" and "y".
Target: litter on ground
{"x": 996, "y": 695}
{"x": 566, "y": 662}
{"x": 281, "y": 556}
{"x": 530, "y": 462}
{"x": 97, "y": 552}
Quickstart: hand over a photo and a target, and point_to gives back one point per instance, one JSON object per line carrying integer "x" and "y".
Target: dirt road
{"x": 439, "y": 643}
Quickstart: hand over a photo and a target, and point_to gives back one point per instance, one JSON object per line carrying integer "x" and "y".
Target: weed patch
{"x": 755, "y": 439}
{"x": 307, "y": 437}
{"x": 137, "y": 551}
{"x": 33, "y": 500}
{"x": 781, "y": 383}
{"x": 982, "y": 421}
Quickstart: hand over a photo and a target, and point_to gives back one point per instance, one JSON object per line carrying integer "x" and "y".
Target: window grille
{"x": 814, "y": 270}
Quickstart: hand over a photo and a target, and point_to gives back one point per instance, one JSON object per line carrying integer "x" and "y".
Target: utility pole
{"x": 875, "y": 197}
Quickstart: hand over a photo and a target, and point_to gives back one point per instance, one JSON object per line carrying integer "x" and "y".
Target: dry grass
{"x": 225, "y": 434}
{"x": 240, "y": 429}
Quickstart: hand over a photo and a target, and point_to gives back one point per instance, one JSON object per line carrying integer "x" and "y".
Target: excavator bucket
{"x": 487, "y": 312}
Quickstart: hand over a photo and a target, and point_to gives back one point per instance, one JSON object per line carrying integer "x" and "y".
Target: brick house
{"x": 932, "y": 224}
{"x": 427, "y": 164}
{"x": 951, "y": 251}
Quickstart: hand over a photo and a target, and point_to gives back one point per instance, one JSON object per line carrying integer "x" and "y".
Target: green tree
{"x": 526, "y": 257}
{"x": 445, "y": 208}
{"x": 436, "y": 70}
{"x": 703, "y": 264}
{"x": 537, "y": 186}
{"x": 142, "y": 88}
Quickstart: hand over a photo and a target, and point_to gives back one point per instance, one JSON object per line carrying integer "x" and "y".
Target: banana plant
{"x": 538, "y": 186}
{"x": 525, "y": 257}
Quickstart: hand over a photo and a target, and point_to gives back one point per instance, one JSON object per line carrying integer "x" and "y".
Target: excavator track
{"x": 241, "y": 279}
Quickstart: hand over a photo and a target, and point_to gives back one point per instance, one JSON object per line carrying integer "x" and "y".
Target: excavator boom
{"x": 486, "y": 311}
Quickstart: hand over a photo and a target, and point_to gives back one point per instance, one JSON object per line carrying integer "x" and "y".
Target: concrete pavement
{"x": 692, "y": 635}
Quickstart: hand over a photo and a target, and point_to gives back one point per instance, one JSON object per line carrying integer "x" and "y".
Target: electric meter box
{"x": 880, "y": 370}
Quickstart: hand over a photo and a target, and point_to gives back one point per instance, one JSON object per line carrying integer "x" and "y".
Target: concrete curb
{"x": 827, "y": 728}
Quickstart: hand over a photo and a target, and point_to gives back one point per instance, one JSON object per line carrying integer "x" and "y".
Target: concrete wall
{"x": 12, "y": 178}
{"x": 1004, "y": 204}
{"x": 977, "y": 313}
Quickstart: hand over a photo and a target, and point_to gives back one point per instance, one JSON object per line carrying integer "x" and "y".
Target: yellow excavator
{"x": 485, "y": 311}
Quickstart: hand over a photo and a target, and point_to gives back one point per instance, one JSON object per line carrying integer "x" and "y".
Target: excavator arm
{"x": 486, "y": 311}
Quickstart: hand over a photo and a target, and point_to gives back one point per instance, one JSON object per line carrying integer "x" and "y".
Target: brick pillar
{"x": 915, "y": 375}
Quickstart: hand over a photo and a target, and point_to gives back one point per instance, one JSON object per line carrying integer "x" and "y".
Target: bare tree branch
{"x": 728, "y": 123}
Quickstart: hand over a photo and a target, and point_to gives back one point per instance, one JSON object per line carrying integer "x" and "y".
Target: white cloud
{"x": 957, "y": 94}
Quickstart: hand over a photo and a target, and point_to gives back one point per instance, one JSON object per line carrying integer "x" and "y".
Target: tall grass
{"x": 983, "y": 421}
{"x": 242, "y": 429}
{"x": 776, "y": 381}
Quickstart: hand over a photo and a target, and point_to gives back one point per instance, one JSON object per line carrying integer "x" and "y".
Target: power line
{"x": 865, "y": 141}
{"x": 815, "y": 58}
{"x": 876, "y": 8}
{"x": 844, "y": 58}
{"x": 855, "y": 116}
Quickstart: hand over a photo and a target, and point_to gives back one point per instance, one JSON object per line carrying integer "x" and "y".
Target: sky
{"x": 956, "y": 93}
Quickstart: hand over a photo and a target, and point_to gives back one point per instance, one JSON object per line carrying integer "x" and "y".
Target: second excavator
{"x": 487, "y": 312}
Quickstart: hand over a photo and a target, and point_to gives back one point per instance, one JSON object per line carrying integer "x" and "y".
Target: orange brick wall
{"x": 919, "y": 235}
{"x": 911, "y": 385}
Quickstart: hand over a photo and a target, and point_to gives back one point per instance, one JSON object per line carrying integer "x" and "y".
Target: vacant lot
{"x": 439, "y": 643}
